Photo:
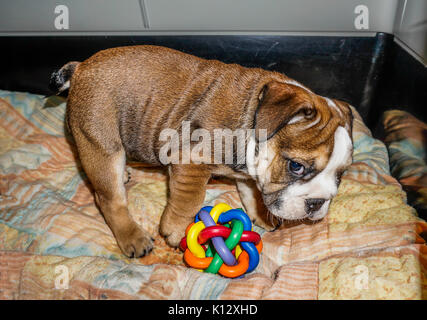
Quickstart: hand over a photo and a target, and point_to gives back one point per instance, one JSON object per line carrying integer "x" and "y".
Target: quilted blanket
{"x": 54, "y": 243}
{"x": 406, "y": 141}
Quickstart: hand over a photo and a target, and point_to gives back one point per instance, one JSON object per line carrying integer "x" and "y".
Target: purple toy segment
{"x": 218, "y": 242}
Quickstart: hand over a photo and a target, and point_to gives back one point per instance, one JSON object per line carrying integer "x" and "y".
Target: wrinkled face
{"x": 308, "y": 147}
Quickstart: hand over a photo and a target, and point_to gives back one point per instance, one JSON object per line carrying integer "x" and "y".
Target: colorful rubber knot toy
{"x": 221, "y": 240}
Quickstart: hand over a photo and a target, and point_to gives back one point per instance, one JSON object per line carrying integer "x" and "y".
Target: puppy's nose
{"x": 313, "y": 205}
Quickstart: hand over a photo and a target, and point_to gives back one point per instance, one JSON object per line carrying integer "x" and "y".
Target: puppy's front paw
{"x": 135, "y": 242}
{"x": 173, "y": 229}
{"x": 267, "y": 226}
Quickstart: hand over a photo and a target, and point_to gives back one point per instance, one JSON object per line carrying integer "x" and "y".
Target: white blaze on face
{"x": 322, "y": 186}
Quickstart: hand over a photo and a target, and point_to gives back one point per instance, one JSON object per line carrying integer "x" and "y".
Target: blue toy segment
{"x": 236, "y": 214}
{"x": 253, "y": 254}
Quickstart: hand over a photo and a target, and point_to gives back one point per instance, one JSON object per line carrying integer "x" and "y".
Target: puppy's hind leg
{"x": 105, "y": 167}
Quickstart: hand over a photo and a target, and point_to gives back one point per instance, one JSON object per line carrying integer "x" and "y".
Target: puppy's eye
{"x": 296, "y": 168}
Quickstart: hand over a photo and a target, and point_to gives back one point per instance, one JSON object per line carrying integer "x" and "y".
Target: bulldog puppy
{"x": 120, "y": 101}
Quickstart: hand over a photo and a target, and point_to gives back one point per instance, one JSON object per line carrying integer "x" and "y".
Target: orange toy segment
{"x": 241, "y": 267}
{"x": 193, "y": 261}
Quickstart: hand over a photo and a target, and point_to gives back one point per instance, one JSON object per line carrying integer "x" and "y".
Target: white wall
{"x": 196, "y": 15}
{"x": 411, "y": 25}
{"x": 405, "y": 18}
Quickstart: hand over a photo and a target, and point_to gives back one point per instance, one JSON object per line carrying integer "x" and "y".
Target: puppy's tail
{"x": 60, "y": 79}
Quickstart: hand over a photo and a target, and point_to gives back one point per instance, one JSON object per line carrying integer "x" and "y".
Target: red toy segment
{"x": 220, "y": 231}
{"x": 224, "y": 232}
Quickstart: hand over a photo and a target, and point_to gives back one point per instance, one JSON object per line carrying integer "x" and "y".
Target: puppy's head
{"x": 304, "y": 148}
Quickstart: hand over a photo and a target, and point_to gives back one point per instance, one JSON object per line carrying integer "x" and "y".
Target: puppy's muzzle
{"x": 313, "y": 205}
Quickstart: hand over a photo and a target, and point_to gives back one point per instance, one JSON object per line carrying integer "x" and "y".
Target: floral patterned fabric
{"x": 369, "y": 246}
{"x": 406, "y": 140}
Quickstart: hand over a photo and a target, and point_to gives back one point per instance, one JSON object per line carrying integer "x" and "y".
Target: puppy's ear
{"x": 277, "y": 107}
{"x": 347, "y": 119}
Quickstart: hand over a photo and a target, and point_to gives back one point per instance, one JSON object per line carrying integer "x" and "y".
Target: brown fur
{"x": 120, "y": 100}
